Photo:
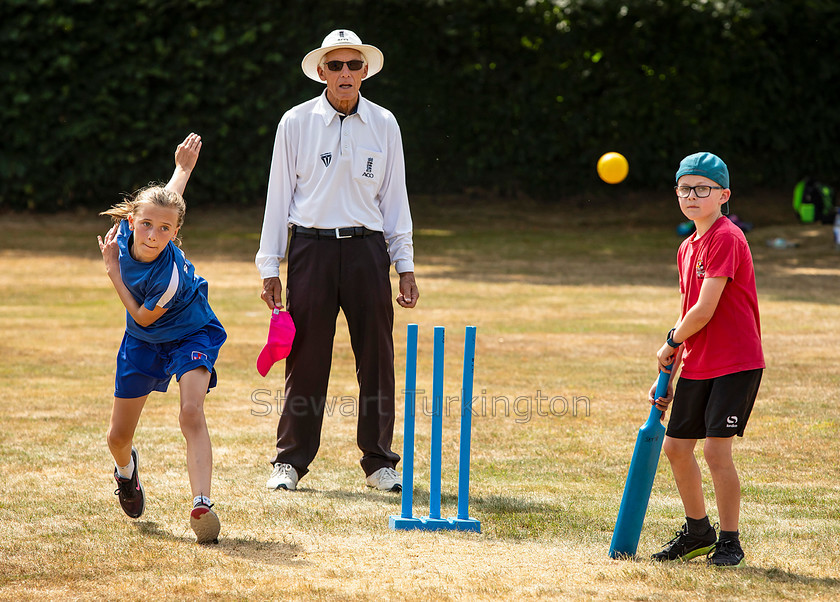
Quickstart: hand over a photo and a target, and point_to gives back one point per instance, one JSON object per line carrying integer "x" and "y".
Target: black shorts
{"x": 714, "y": 407}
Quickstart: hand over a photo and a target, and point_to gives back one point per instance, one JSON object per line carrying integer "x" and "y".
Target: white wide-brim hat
{"x": 342, "y": 38}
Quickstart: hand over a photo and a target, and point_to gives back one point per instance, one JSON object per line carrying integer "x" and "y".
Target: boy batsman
{"x": 722, "y": 362}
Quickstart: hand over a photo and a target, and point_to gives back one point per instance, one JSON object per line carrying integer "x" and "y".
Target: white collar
{"x": 328, "y": 112}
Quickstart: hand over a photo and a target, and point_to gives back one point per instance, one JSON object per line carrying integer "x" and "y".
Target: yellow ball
{"x": 613, "y": 167}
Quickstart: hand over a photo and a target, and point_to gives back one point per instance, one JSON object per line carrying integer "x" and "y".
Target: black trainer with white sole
{"x": 130, "y": 491}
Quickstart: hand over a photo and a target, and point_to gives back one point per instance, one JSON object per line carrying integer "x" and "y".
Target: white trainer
{"x": 385, "y": 479}
{"x": 284, "y": 476}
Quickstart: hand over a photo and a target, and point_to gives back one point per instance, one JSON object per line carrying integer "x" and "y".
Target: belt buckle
{"x": 339, "y": 236}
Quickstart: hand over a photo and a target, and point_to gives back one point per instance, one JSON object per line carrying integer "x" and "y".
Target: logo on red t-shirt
{"x": 700, "y": 269}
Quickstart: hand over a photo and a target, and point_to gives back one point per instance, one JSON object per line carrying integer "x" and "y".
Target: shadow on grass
{"x": 486, "y": 504}
{"x": 420, "y": 498}
{"x": 152, "y": 529}
{"x": 779, "y": 576}
{"x": 370, "y": 496}
{"x": 517, "y": 518}
{"x": 773, "y": 575}
{"x": 276, "y": 553}
{"x": 502, "y": 516}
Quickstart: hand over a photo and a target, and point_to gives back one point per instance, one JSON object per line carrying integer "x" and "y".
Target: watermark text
{"x": 520, "y": 408}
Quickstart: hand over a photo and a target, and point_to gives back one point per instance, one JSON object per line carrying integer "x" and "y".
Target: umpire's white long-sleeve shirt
{"x": 328, "y": 172}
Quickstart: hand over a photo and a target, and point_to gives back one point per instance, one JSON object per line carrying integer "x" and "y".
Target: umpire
{"x": 337, "y": 197}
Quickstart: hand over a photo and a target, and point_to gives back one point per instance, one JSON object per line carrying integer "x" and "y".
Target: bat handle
{"x": 661, "y": 391}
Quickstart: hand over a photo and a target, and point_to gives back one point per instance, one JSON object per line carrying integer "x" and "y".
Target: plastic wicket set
{"x": 406, "y": 520}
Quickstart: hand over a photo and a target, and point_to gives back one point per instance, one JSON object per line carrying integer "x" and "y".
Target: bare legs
{"x": 194, "y": 428}
{"x": 124, "y": 417}
{"x": 126, "y": 413}
{"x": 718, "y": 454}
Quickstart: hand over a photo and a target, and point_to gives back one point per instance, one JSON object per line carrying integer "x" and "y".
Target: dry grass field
{"x": 571, "y": 301}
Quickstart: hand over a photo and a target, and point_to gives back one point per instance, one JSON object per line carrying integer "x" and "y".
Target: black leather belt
{"x": 350, "y": 232}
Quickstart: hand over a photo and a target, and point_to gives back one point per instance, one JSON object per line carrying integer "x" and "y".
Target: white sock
{"x": 202, "y": 499}
{"x": 126, "y": 471}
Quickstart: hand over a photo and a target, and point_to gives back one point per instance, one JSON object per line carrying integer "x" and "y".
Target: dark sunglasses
{"x": 353, "y": 65}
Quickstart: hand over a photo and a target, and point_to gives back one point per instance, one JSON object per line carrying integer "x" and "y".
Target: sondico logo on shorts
{"x": 731, "y": 422}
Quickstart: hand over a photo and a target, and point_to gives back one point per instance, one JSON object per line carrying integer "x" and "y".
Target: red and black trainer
{"x": 130, "y": 491}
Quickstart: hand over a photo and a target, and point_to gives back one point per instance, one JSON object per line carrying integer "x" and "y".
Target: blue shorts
{"x": 145, "y": 367}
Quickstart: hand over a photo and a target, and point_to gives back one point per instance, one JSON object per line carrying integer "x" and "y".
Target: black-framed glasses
{"x": 700, "y": 192}
{"x": 353, "y": 65}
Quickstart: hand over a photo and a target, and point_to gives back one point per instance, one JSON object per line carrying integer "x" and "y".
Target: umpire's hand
{"x": 272, "y": 293}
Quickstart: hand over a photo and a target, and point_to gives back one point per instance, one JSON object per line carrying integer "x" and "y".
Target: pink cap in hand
{"x": 281, "y": 333}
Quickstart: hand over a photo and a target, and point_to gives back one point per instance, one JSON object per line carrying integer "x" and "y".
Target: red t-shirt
{"x": 731, "y": 341}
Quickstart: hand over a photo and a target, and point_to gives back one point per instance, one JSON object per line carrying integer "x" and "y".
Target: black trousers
{"x": 324, "y": 275}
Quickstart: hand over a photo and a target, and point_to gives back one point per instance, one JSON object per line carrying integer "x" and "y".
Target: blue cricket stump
{"x": 406, "y": 520}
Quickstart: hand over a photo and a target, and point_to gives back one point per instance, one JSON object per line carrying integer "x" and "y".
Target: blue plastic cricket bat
{"x": 637, "y": 488}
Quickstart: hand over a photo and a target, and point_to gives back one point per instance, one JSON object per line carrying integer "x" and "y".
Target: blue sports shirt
{"x": 169, "y": 281}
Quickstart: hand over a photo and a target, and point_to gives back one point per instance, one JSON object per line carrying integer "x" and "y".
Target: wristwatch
{"x": 670, "y": 341}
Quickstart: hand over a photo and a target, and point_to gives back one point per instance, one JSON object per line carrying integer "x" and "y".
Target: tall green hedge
{"x": 508, "y": 95}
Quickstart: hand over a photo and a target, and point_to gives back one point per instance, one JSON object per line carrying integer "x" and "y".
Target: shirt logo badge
{"x": 327, "y": 159}
{"x": 369, "y": 169}
{"x": 198, "y": 355}
{"x": 700, "y": 269}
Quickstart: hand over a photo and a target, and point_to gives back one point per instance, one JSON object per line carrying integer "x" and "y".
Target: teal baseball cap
{"x": 707, "y": 165}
